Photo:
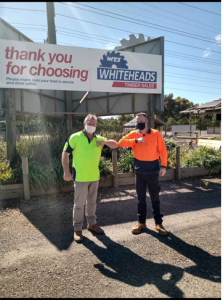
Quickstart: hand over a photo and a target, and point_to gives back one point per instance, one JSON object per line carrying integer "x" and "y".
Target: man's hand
{"x": 162, "y": 171}
{"x": 100, "y": 143}
{"x": 141, "y": 140}
{"x": 67, "y": 176}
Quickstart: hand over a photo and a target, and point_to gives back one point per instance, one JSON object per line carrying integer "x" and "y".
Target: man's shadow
{"x": 132, "y": 269}
{"x": 207, "y": 266}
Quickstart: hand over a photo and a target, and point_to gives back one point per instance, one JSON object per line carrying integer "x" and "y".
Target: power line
{"x": 193, "y": 36}
{"x": 87, "y": 33}
{"x": 214, "y": 60}
{"x": 191, "y": 91}
{"x": 88, "y": 38}
{"x": 185, "y": 78}
{"x": 198, "y": 70}
{"x": 211, "y": 12}
{"x": 177, "y": 56}
{"x": 144, "y": 22}
{"x": 179, "y": 15}
{"x": 171, "y": 55}
{"x": 191, "y": 46}
{"x": 23, "y": 9}
{"x": 172, "y": 65}
{"x": 152, "y": 18}
{"x": 188, "y": 75}
{"x": 164, "y": 16}
{"x": 28, "y": 24}
{"x": 208, "y": 87}
{"x": 106, "y": 40}
{"x": 37, "y": 29}
{"x": 130, "y": 32}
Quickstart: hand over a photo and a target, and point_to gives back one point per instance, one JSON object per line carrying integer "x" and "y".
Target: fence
{"x": 115, "y": 180}
{"x": 213, "y": 130}
{"x": 3, "y": 136}
{"x": 183, "y": 128}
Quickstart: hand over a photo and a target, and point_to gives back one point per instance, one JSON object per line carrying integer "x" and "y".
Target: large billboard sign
{"x": 25, "y": 65}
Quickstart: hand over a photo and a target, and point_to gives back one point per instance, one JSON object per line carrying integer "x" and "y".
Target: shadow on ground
{"x": 52, "y": 214}
{"x": 132, "y": 269}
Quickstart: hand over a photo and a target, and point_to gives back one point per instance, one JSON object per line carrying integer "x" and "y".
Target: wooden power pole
{"x": 52, "y": 40}
{"x": 150, "y": 112}
{"x": 51, "y": 23}
{"x": 10, "y": 123}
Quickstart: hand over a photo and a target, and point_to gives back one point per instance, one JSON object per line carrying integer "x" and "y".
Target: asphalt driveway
{"x": 40, "y": 259}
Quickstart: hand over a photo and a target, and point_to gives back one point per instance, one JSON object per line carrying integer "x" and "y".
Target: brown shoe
{"x": 138, "y": 228}
{"x": 161, "y": 230}
{"x": 95, "y": 228}
{"x": 78, "y": 237}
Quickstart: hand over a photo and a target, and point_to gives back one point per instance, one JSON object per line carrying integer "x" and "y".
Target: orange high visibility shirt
{"x": 153, "y": 147}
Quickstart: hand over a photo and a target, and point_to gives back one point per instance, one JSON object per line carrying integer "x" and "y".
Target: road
{"x": 40, "y": 259}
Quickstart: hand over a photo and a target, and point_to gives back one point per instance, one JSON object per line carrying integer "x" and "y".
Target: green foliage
{"x": 2, "y": 151}
{"x": 45, "y": 167}
{"x": 126, "y": 162}
{"x": 105, "y": 167}
{"x": 172, "y": 108}
{"x": 172, "y": 116}
{"x": 203, "y": 157}
{"x": 31, "y": 123}
{"x": 114, "y": 125}
{"x": 43, "y": 176}
{"x": 5, "y": 173}
{"x": 170, "y": 145}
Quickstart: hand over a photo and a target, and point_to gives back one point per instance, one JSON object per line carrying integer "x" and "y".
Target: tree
{"x": 172, "y": 108}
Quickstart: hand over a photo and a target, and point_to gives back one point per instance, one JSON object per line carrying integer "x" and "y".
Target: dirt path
{"x": 40, "y": 259}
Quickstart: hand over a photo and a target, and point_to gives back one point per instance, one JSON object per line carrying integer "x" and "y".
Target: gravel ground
{"x": 40, "y": 259}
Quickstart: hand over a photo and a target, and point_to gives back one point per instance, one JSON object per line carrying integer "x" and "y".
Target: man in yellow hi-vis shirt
{"x": 86, "y": 148}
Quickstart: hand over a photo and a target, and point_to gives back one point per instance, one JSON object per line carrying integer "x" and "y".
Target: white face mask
{"x": 90, "y": 129}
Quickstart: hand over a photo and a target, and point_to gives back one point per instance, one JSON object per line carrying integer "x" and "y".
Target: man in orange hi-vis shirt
{"x": 147, "y": 145}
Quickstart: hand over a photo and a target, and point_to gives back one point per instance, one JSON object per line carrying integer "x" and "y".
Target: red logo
{"x": 138, "y": 85}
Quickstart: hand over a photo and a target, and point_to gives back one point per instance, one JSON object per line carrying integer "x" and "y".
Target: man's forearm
{"x": 111, "y": 144}
{"x": 65, "y": 162}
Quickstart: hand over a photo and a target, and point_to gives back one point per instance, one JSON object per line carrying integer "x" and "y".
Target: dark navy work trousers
{"x": 142, "y": 182}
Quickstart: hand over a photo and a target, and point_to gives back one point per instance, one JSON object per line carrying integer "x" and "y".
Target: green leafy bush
{"x": 45, "y": 167}
{"x": 203, "y": 157}
{"x": 5, "y": 173}
{"x": 105, "y": 167}
{"x": 126, "y": 162}
{"x": 170, "y": 145}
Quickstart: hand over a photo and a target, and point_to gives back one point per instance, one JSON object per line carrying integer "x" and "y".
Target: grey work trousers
{"x": 84, "y": 193}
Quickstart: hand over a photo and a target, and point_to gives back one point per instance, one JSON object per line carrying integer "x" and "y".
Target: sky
{"x": 192, "y": 35}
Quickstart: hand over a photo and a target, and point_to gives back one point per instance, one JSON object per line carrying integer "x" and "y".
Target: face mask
{"x": 90, "y": 129}
{"x": 140, "y": 126}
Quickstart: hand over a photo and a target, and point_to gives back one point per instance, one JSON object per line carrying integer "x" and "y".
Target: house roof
{"x": 208, "y": 107}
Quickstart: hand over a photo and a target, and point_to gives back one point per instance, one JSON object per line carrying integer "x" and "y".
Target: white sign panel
{"x": 28, "y": 65}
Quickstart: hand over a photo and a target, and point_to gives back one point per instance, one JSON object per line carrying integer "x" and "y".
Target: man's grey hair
{"x": 89, "y": 116}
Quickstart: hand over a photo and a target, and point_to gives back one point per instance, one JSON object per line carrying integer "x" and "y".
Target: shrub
{"x": 45, "y": 167}
{"x": 170, "y": 145}
{"x": 203, "y": 157}
{"x": 5, "y": 173}
{"x": 105, "y": 167}
{"x": 126, "y": 162}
